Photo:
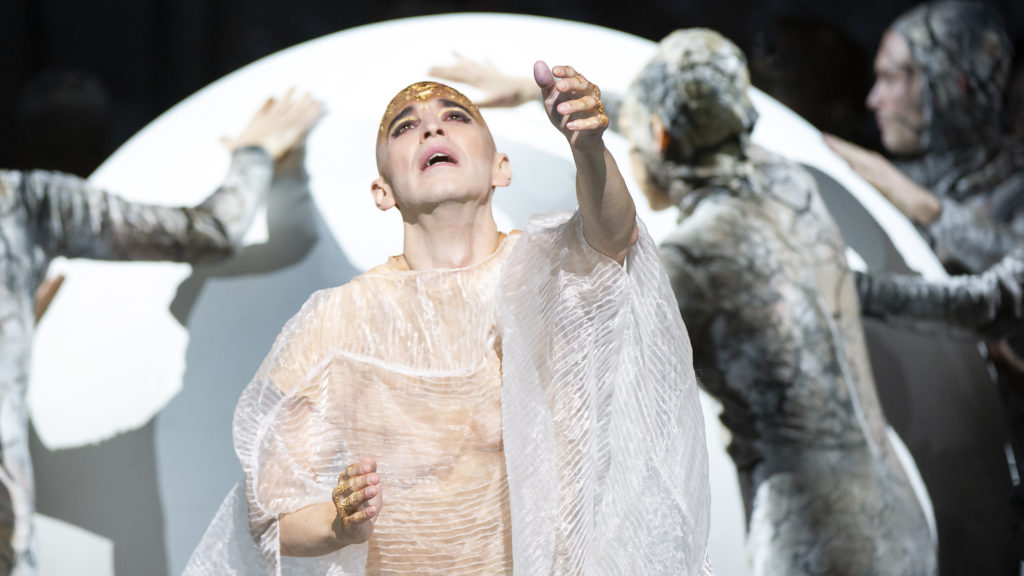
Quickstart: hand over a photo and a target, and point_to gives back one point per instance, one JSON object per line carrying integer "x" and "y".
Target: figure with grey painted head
{"x": 759, "y": 270}
{"x": 760, "y": 275}
{"x": 942, "y": 71}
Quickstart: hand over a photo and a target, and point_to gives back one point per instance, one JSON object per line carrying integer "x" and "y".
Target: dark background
{"x": 80, "y": 77}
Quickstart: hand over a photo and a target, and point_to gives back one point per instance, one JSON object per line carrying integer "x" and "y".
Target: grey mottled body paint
{"x": 988, "y": 305}
{"x": 47, "y": 214}
{"x": 964, "y": 54}
{"x": 759, "y": 271}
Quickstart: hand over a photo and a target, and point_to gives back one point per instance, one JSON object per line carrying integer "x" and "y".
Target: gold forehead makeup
{"x": 423, "y": 92}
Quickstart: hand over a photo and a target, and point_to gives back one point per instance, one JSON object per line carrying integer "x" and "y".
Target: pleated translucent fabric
{"x": 547, "y": 358}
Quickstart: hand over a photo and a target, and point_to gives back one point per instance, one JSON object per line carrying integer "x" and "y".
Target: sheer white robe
{"x": 536, "y": 411}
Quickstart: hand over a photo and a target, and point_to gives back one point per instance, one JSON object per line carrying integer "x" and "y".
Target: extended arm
{"x": 960, "y": 233}
{"x": 502, "y": 90}
{"x": 915, "y": 202}
{"x": 989, "y": 305}
{"x": 72, "y": 218}
{"x": 574, "y": 106}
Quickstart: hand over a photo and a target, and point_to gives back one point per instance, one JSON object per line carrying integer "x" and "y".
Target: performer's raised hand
{"x": 358, "y": 500}
{"x": 280, "y": 125}
{"x": 914, "y": 201}
{"x": 573, "y": 104}
{"x": 499, "y": 89}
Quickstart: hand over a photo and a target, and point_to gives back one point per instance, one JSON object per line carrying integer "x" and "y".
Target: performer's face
{"x": 437, "y": 148}
{"x": 896, "y": 96}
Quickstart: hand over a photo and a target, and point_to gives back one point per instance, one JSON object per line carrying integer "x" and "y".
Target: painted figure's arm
{"x": 989, "y": 305}
{"x": 72, "y": 218}
{"x": 914, "y": 201}
{"x": 574, "y": 106}
{"x": 961, "y": 234}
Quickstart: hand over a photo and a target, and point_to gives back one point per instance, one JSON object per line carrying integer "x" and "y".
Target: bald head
{"x": 401, "y": 106}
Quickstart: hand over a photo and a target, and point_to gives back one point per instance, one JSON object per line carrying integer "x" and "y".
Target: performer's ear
{"x": 383, "y": 196}
{"x": 659, "y": 134}
{"x": 501, "y": 171}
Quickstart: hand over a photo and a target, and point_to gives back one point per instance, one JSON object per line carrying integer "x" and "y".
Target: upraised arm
{"x": 75, "y": 219}
{"x": 574, "y": 106}
{"x": 914, "y": 201}
{"x": 280, "y": 125}
{"x": 961, "y": 234}
{"x": 502, "y": 90}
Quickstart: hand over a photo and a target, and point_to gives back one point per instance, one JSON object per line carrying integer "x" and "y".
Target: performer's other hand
{"x": 499, "y": 90}
{"x": 914, "y": 201}
{"x": 573, "y": 104}
{"x": 280, "y": 125}
{"x": 358, "y": 500}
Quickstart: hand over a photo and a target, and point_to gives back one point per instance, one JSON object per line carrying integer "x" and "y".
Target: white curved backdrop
{"x": 138, "y": 366}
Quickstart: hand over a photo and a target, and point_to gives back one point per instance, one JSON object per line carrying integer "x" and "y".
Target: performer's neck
{"x": 450, "y": 236}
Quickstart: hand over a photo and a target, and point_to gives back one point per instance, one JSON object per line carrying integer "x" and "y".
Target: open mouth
{"x": 436, "y": 157}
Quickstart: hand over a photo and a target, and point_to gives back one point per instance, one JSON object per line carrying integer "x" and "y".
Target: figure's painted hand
{"x": 358, "y": 501}
{"x": 281, "y": 124}
{"x": 573, "y": 104}
{"x": 499, "y": 90}
{"x": 914, "y": 201}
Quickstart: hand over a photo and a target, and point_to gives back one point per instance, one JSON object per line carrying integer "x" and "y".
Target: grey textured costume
{"x": 988, "y": 305}
{"x": 759, "y": 272}
{"x": 46, "y": 214}
{"x": 964, "y": 54}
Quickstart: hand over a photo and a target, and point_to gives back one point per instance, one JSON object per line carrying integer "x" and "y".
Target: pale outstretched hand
{"x": 499, "y": 89}
{"x": 358, "y": 501}
{"x": 573, "y": 104}
{"x": 281, "y": 124}
{"x": 914, "y": 201}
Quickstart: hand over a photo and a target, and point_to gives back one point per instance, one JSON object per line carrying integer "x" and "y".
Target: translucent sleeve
{"x": 603, "y": 432}
{"x": 289, "y": 454}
